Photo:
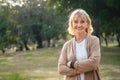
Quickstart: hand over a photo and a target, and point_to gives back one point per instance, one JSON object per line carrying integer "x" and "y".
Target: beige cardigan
{"x": 89, "y": 66}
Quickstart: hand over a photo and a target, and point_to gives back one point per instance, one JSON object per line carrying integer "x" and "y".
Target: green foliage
{"x": 113, "y": 3}
{"x": 40, "y": 20}
{"x": 14, "y": 76}
{"x": 105, "y": 14}
{"x": 7, "y": 36}
{"x": 38, "y": 23}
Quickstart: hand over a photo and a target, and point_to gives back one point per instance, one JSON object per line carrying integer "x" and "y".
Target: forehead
{"x": 79, "y": 17}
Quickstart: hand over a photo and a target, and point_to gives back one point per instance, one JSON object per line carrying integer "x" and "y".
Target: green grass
{"x": 110, "y": 44}
{"x": 42, "y": 64}
{"x": 3, "y": 62}
{"x": 14, "y": 76}
{"x": 110, "y": 63}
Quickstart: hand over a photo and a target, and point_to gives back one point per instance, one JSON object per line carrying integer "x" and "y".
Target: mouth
{"x": 79, "y": 29}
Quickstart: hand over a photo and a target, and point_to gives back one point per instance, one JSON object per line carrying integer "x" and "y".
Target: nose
{"x": 79, "y": 24}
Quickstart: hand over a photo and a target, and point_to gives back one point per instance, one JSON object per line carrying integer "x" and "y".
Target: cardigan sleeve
{"x": 93, "y": 60}
{"x": 62, "y": 63}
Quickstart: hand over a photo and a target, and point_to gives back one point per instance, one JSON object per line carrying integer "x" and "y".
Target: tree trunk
{"x": 38, "y": 36}
{"x": 39, "y": 42}
{"x": 106, "y": 41}
{"x": 3, "y": 50}
{"x": 118, "y": 40}
{"x": 97, "y": 29}
{"x": 48, "y": 42}
{"x": 25, "y": 44}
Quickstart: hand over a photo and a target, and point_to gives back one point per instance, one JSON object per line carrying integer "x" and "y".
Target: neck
{"x": 80, "y": 37}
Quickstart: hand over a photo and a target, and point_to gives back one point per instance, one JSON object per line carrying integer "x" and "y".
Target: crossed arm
{"x": 80, "y": 66}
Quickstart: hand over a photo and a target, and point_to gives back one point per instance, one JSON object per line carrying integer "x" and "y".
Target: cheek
{"x": 85, "y": 26}
{"x": 74, "y": 25}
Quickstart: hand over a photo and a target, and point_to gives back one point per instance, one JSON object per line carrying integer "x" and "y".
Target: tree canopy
{"x": 23, "y": 22}
{"x": 105, "y": 14}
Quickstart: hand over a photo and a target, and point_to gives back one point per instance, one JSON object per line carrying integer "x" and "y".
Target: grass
{"x": 110, "y": 63}
{"x": 42, "y": 64}
{"x": 14, "y": 76}
{"x": 36, "y": 65}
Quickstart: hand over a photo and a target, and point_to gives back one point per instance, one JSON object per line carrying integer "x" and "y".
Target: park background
{"x": 32, "y": 33}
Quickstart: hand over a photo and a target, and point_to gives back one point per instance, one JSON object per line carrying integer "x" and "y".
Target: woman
{"x": 80, "y": 56}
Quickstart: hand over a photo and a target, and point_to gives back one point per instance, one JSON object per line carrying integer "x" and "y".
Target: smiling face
{"x": 79, "y": 24}
{"x": 79, "y": 21}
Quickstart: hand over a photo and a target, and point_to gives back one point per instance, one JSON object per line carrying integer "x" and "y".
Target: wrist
{"x": 72, "y": 64}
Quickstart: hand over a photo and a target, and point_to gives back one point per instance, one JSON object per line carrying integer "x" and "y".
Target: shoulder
{"x": 67, "y": 45}
{"x": 69, "y": 42}
{"x": 92, "y": 37}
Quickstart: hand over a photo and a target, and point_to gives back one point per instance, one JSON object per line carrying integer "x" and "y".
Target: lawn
{"x": 41, "y": 64}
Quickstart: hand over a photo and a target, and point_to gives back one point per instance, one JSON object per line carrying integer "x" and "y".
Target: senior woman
{"x": 80, "y": 56}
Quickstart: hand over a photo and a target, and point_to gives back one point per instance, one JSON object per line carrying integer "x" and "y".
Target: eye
{"x": 75, "y": 21}
{"x": 82, "y": 21}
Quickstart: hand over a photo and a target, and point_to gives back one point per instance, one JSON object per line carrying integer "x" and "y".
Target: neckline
{"x": 81, "y": 41}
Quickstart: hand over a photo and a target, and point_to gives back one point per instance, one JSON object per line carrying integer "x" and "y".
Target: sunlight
{"x": 15, "y": 3}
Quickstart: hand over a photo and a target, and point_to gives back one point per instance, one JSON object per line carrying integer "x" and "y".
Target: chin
{"x": 80, "y": 32}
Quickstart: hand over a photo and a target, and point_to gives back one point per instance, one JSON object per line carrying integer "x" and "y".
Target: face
{"x": 79, "y": 25}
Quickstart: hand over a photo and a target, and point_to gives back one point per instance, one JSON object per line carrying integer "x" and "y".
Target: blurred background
{"x": 32, "y": 33}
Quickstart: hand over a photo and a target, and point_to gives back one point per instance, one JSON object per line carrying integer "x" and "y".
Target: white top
{"x": 81, "y": 53}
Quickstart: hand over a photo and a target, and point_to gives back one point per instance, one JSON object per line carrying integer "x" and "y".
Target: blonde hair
{"x": 82, "y": 14}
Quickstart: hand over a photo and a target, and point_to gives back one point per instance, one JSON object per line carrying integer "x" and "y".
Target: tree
{"x": 102, "y": 12}
{"x": 7, "y": 36}
{"x": 35, "y": 20}
{"x": 28, "y": 21}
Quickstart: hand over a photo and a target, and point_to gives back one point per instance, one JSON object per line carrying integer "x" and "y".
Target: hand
{"x": 77, "y": 72}
{"x": 68, "y": 64}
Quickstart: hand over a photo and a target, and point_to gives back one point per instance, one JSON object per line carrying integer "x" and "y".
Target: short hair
{"x": 82, "y": 14}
